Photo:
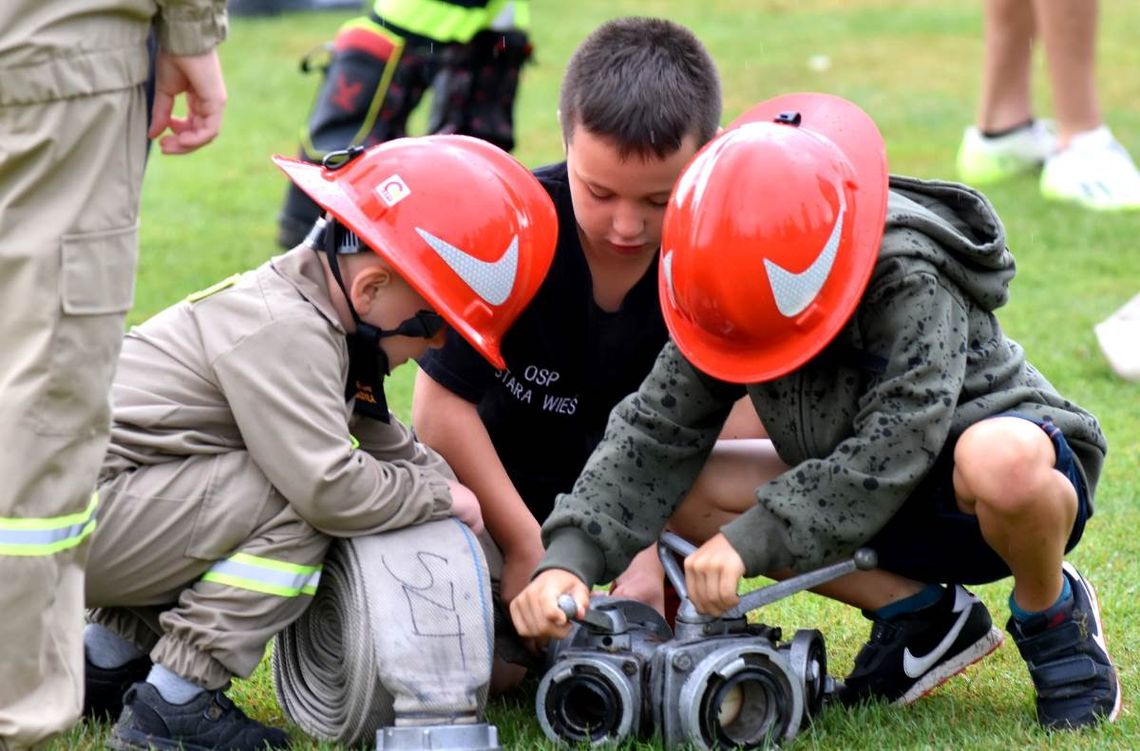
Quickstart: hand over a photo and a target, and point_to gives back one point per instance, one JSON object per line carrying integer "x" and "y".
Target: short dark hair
{"x": 644, "y": 83}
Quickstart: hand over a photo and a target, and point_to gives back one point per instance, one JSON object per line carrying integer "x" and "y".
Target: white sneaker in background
{"x": 1094, "y": 171}
{"x": 1119, "y": 337}
{"x": 983, "y": 160}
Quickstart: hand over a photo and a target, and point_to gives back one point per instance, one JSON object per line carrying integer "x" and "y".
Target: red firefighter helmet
{"x": 464, "y": 223}
{"x": 770, "y": 236}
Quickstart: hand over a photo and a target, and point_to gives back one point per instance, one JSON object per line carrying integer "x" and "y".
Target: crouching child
{"x": 250, "y": 425}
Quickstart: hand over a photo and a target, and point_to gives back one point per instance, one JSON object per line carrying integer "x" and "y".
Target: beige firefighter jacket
{"x": 258, "y": 363}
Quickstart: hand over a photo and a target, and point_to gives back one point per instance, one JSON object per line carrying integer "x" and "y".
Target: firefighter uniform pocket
{"x": 95, "y": 288}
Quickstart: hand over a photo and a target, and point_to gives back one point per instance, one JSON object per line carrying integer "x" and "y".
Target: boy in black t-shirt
{"x": 640, "y": 96}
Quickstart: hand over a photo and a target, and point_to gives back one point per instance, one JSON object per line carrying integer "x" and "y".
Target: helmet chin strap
{"x": 368, "y": 362}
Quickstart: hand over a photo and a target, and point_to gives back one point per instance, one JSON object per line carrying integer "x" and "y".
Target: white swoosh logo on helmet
{"x": 793, "y": 292}
{"x": 916, "y": 666}
{"x": 491, "y": 280}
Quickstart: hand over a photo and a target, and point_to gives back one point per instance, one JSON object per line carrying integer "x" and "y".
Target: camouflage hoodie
{"x": 921, "y": 359}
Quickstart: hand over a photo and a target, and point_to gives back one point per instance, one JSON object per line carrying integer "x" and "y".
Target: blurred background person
{"x": 381, "y": 64}
{"x": 1081, "y": 161}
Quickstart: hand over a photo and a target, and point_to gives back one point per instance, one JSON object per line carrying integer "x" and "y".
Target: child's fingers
{"x": 535, "y": 611}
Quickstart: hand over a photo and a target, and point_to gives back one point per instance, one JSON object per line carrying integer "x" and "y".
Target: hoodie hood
{"x": 968, "y": 245}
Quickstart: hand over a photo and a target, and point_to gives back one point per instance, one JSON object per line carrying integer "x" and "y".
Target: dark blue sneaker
{"x": 912, "y": 654}
{"x": 209, "y": 722}
{"x": 104, "y": 687}
{"x": 1075, "y": 679}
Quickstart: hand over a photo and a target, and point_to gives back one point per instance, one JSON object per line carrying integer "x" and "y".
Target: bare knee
{"x": 1005, "y": 463}
{"x": 726, "y": 487}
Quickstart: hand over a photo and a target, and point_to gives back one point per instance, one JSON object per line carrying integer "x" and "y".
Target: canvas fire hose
{"x": 397, "y": 644}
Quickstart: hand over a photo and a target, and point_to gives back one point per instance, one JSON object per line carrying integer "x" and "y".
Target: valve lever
{"x": 669, "y": 547}
{"x": 864, "y": 559}
{"x": 607, "y": 622}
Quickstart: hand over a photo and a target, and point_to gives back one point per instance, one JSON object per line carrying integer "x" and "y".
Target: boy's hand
{"x": 712, "y": 575}
{"x": 535, "y": 611}
{"x": 519, "y": 563}
{"x": 465, "y": 506}
{"x": 643, "y": 581}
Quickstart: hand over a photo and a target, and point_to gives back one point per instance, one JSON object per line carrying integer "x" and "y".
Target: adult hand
{"x": 465, "y": 506}
{"x": 712, "y": 574}
{"x": 535, "y": 611}
{"x": 643, "y": 581}
{"x": 199, "y": 78}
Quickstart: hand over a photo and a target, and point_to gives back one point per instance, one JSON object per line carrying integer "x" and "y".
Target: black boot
{"x": 209, "y": 722}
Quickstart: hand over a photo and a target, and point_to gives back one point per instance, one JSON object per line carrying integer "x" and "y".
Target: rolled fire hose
{"x": 399, "y": 633}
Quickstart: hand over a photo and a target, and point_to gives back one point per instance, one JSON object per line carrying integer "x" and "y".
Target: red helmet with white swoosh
{"x": 770, "y": 236}
{"x": 463, "y": 222}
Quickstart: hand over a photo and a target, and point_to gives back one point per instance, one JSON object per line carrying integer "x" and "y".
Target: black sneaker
{"x": 104, "y": 687}
{"x": 1075, "y": 679}
{"x": 909, "y": 656}
{"x": 209, "y": 722}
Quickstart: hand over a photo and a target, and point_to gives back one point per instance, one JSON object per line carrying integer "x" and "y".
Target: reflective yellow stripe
{"x": 47, "y": 536}
{"x": 265, "y": 575}
{"x": 434, "y": 19}
{"x": 381, "y": 89}
{"x": 354, "y": 441}
{"x": 202, "y": 294}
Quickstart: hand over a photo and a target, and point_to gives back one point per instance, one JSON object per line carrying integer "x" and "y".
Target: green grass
{"x": 914, "y": 66}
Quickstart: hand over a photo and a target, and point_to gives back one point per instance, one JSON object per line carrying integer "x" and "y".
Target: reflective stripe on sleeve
{"x": 49, "y": 535}
{"x": 265, "y": 575}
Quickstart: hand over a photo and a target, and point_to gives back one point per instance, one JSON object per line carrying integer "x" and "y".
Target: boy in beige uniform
{"x": 250, "y": 424}
{"x": 72, "y": 148}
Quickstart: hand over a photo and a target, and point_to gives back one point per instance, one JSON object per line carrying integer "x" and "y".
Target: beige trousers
{"x": 200, "y": 561}
{"x": 70, "y": 175}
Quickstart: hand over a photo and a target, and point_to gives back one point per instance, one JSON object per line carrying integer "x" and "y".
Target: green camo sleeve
{"x": 655, "y": 444}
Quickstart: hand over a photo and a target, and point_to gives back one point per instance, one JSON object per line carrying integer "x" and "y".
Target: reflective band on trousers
{"x": 265, "y": 575}
{"x": 49, "y": 535}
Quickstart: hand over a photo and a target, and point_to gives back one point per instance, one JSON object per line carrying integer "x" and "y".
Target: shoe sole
{"x": 1074, "y": 574}
{"x": 132, "y": 740}
{"x": 947, "y": 670}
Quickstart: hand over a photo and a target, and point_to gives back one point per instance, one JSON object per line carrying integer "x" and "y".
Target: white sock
{"x": 106, "y": 649}
{"x": 173, "y": 687}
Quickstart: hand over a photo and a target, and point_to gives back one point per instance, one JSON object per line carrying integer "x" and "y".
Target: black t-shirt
{"x": 568, "y": 363}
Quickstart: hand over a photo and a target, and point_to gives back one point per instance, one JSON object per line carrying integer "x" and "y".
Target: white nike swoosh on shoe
{"x": 792, "y": 291}
{"x": 491, "y": 280}
{"x": 916, "y": 666}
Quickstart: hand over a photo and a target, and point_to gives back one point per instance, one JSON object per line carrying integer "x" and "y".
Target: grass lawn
{"x": 914, "y": 65}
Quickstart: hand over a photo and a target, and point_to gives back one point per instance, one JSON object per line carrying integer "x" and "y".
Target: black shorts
{"x": 930, "y": 540}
